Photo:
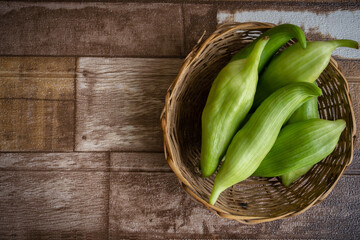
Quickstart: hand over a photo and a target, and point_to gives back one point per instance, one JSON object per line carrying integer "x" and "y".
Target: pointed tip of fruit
{"x": 303, "y": 44}
{"x": 206, "y": 173}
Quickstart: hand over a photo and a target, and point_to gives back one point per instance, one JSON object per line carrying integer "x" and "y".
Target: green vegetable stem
{"x": 279, "y": 35}
{"x": 296, "y": 64}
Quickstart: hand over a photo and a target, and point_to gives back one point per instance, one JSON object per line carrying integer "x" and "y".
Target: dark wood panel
{"x": 350, "y": 69}
{"x": 53, "y": 205}
{"x": 36, "y": 125}
{"x": 152, "y": 205}
{"x": 148, "y": 162}
{"x": 197, "y": 19}
{"x": 210, "y": 1}
{"x": 119, "y": 101}
{"x": 37, "y": 77}
{"x": 355, "y": 96}
{"x": 54, "y": 161}
{"x": 122, "y": 29}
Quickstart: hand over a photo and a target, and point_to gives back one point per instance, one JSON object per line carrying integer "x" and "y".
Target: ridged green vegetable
{"x": 299, "y": 145}
{"x": 309, "y": 110}
{"x": 296, "y": 64}
{"x": 228, "y": 102}
{"x": 251, "y": 144}
{"x": 294, "y": 175}
{"x": 279, "y": 35}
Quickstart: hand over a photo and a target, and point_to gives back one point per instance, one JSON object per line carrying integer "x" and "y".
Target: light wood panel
{"x": 37, "y": 77}
{"x": 36, "y": 125}
{"x": 153, "y": 206}
{"x": 54, "y": 161}
{"x": 53, "y": 205}
{"x": 119, "y": 101}
{"x": 88, "y": 29}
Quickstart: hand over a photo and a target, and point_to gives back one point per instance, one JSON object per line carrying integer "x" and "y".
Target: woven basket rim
{"x": 192, "y": 56}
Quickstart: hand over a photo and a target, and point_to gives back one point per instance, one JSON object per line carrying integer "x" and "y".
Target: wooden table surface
{"x": 82, "y": 86}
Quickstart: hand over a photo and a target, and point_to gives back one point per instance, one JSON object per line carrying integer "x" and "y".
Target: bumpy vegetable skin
{"x": 228, "y": 102}
{"x": 301, "y": 145}
{"x": 252, "y": 143}
{"x": 279, "y": 35}
{"x": 296, "y": 64}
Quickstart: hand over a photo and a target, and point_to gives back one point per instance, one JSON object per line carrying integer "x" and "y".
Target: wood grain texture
{"x": 216, "y": 1}
{"x": 319, "y": 21}
{"x": 137, "y": 162}
{"x": 350, "y": 69}
{"x": 53, "y": 205}
{"x": 119, "y": 101}
{"x": 197, "y": 19}
{"x": 163, "y": 210}
{"x": 355, "y": 97}
{"x": 89, "y": 29}
{"x": 37, "y": 77}
{"x": 36, "y": 125}
{"x": 54, "y": 161}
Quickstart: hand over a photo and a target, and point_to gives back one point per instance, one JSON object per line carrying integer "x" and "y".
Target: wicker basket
{"x": 254, "y": 200}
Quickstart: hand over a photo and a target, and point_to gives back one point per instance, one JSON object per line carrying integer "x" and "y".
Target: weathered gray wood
{"x": 36, "y": 125}
{"x": 119, "y": 101}
{"x": 53, "y": 205}
{"x": 152, "y": 205}
{"x": 88, "y": 29}
{"x": 197, "y": 19}
{"x": 54, "y": 161}
{"x": 319, "y": 21}
{"x": 37, "y": 77}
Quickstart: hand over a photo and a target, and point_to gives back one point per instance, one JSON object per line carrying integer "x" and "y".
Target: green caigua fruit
{"x": 309, "y": 110}
{"x": 300, "y": 145}
{"x": 279, "y": 35}
{"x": 251, "y": 143}
{"x": 296, "y": 64}
{"x": 290, "y": 177}
{"x": 230, "y": 98}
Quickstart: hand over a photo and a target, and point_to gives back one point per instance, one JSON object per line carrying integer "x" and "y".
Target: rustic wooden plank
{"x": 125, "y": 161}
{"x": 53, "y": 205}
{"x": 119, "y": 101}
{"x": 350, "y": 69}
{"x": 197, "y": 19}
{"x": 37, "y": 77}
{"x": 153, "y": 206}
{"x": 355, "y": 96}
{"x": 36, "y": 125}
{"x": 89, "y": 29}
{"x": 54, "y": 161}
{"x": 319, "y": 21}
{"x": 156, "y": 162}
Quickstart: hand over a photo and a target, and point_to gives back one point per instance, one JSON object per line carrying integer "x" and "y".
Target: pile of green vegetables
{"x": 261, "y": 115}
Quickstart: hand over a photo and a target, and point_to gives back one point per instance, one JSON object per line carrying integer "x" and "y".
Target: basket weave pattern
{"x": 254, "y": 200}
